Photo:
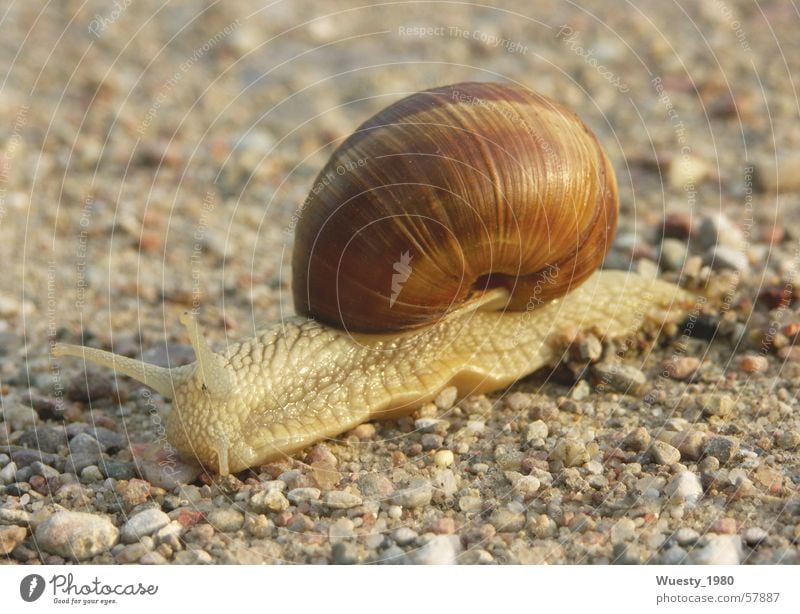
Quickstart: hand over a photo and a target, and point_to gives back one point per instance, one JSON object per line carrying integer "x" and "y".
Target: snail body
{"x": 449, "y": 259}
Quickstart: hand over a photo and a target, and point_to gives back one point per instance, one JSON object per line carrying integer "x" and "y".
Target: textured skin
{"x": 299, "y": 381}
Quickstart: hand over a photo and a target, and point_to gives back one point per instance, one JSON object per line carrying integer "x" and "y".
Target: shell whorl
{"x": 447, "y": 193}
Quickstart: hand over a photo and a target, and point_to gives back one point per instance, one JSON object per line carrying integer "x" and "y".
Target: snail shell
{"x": 454, "y": 190}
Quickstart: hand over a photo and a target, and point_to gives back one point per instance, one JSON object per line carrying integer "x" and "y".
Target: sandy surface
{"x": 153, "y": 159}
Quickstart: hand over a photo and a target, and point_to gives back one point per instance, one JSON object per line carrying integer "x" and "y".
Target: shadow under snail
{"x": 445, "y": 242}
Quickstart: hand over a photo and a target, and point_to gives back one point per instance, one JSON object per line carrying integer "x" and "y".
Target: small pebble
{"x": 687, "y": 171}
{"x": 446, "y": 398}
{"x": 131, "y": 553}
{"x": 271, "y": 500}
{"x": 8, "y": 473}
{"x": 344, "y": 553}
{"x": 753, "y": 364}
{"x": 341, "y": 500}
{"x": 673, "y": 254}
{"x": 144, "y": 523}
{"x": 404, "y": 536}
{"x": 724, "y": 449}
{"x": 685, "y": 486}
{"x": 507, "y": 521}
{"x": 470, "y": 504}
{"x": 720, "y": 550}
{"x": 225, "y": 520}
{"x": 681, "y": 368}
{"x": 622, "y": 378}
{"x": 375, "y": 486}
{"x": 754, "y": 536}
{"x": 364, "y": 431}
{"x": 664, "y": 454}
{"x": 686, "y": 536}
{"x": 719, "y": 230}
{"x": 76, "y": 535}
{"x": 637, "y": 440}
{"x": 724, "y": 526}
{"x": 91, "y": 474}
{"x": 303, "y": 495}
{"x": 418, "y": 494}
{"x": 571, "y": 452}
{"x": 536, "y": 430}
{"x": 721, "y": 258}
{"x": 590, "y": 349}
{"x": 443, "y": 458}
{"x": 789, "y": 440}
{"x": 623, "y": 530}
{"x": 690, "y": 443}
{"x": 10, "y": 538}
{"x": 717, "y": 405}
{"x": 441, "y": 550}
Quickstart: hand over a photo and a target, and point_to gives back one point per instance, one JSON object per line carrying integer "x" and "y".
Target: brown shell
{"x": 446, "y": 193}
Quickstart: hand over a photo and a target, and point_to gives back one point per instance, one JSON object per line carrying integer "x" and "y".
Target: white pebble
{"x": 443, "y": 458}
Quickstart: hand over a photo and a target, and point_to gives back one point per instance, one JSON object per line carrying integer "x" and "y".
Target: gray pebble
{"x": 675, "y": 555}
{"x": 590, "y": 349}
{"x": 76, "y": 535}
{"x": 441, "y": 550}
{"x": 153, "y": 558}
{"x": 118, "y": 470}
{"x": 93, "y": 384}
{"x": 44, "y": 438}
{"x": 686, "y": 487}
{"x": 754, "y": 536}
{"x": 637, "y": 440}
{"x": 673, "y": 254}
{"x": 404, "y": 536}
{"x": 717, "y": 405}
{"x": 622, "y": 378}
{"x": 623, "y": 530}
{"x": 7, "y": 473}
{"x": 686, "y": 536}
{"x": 720, "y": 258}
{"x": 303, "y": 495}
{"x": 91, "y": 474}
{"x": 723, "y": 449}
{"x": 375, "y": 486}
{"x": 144, "y": 523}
{"x": 225, "y": 520}
{"x": 570, "y": 452}
{"x": 76, "y": 463}
{"x": 445, "y": 484}
{"x": 345, "y": 553}
{"x": 46, "y": 471}
{"x": 470, "y": 504}
{"x": 446, "y": 398}
{"x": 417, "y": 494}
{"x": 719, "y": 230}
{"x": 429, "y": 425}
{"x": 431, "y": 441}
{"x": 131, "y": 553}
{"x": 720, "y": 550}
{"x": 84, "y": 444}
{"x": 664, "y": 454}
{"x": 269, "y": 501}
{"x": 507, "y": 521}
{"x": 536, "y": 430}
{"x": 341, "y": 500}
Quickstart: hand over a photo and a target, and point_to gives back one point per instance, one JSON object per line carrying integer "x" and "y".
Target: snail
{"x": 443, "y": 244}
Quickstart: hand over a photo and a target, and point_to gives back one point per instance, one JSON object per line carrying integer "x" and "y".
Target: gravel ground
{"x": 153, "y": 159}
